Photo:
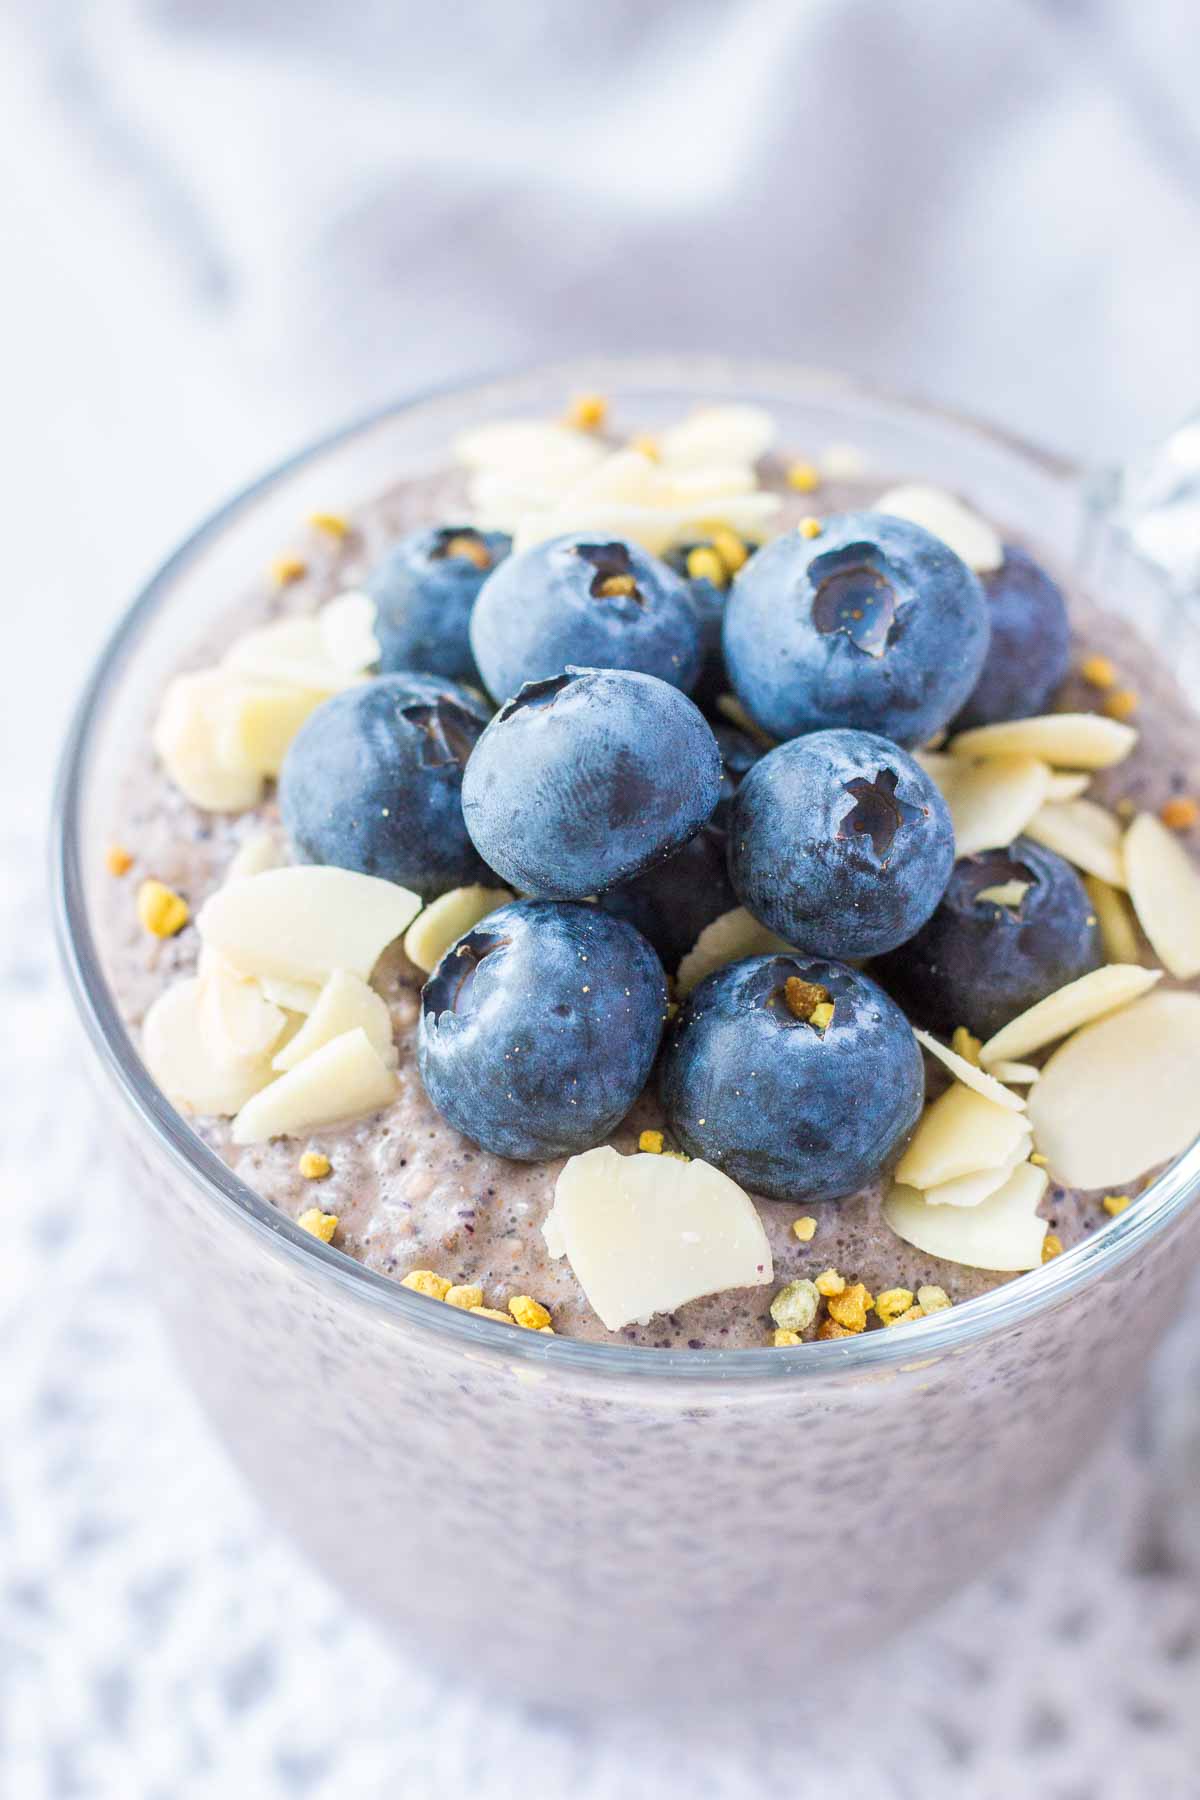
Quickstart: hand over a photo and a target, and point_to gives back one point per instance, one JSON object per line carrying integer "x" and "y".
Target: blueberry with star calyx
{"x": 1013, "y": 926}
{"x": 424, "y": 589}
{"x": 538, "y": 1029}
{"x": 841, "y": 843}
{"x": 373, "y": 781}
{"x": 587, "y": 779}
{"x": 1030, "y": 650}
{"x": 795, "y": 1075}
{"x": 581, "y": 600}
{"x": 873, "y": 623}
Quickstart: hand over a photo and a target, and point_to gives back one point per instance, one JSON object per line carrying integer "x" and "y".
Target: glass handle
{"x": 1154, "y": 502}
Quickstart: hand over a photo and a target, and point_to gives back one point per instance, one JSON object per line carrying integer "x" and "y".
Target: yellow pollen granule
{"x": 781, "y": 1338}
{"x": 802, "y": 998}
{"x": 425, "y": 1281}
{"x": 286, "y": 569}
{"x": 909, "y": 1317}
{"x": 809, "y": 528}
{"x": 1180, "y": 814}
{"x": 615, "y": 585}
{"x": 966, "y": 1045}
{"x": 822, "y": 1016}
{"x": 331, "y": 523}
{"x": 489, "y": 1312}
{"x": 161, "y": 911}
{"x": 933, "y": 1299}
{"x": 1052, "y": 1247}
{"x": 703, "y": 564}
{"x": 730, "y": 548}
{"x": 314, "y": 1165}
{"x": 1098, "y": 671}
{"x": 1038, "y": 1160}
{"x": 804, "y": 477}
{"x": 830, "y": 1282}
{"x": 587, "y": 412}
{"x": 1115, "y": 1203}
{"x": 795, "y": 1306}
{"x": 529, "y": 1313}
{"x": 892, "y": 1303}
{"x": 1121, "y": 704}
{"x": 651, "y": 1142}
{"x": 850, "y": 1308}
{"x": 829, "y": 1328}
{"x": 117, "y": 860}
{"x": 318, "y": 1224}
{"x": 467, "y": 1297}
{"x": 805, "y": 1229}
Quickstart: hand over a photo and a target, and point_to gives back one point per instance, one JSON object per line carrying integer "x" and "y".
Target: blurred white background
{"x": 229, "y": 224}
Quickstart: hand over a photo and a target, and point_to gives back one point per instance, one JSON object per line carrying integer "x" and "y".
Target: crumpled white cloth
{"x": 231, "y": 223}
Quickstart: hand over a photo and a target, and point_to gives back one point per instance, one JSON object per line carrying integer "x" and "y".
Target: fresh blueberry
{"x": 981, "y": 961}
{"x": 840, "y": 843}
{"x": 373, "y": 781}
{"x": 739, "y": 754}
{"x": 874, "y": 623}
{"x": 424, "y": 590}
{"x": 588, "y": 778}
{"x": 794, "y": 1107}
{"x": 539, "y": 1028}
{"x": 579, "y": 600}
{"x": 1030, "y": 650}
{"x": 671, "y": 903}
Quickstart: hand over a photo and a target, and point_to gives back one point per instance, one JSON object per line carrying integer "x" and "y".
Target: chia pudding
{"x": 407, "y": 1190}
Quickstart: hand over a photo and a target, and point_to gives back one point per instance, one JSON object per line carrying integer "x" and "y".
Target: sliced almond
{"x": 240, "y": 1024}
{"x": 344, "y": 1079}
{"x": 1085, "y": 834}
{"x": 942, "y": 769}
{"x": 347, "y": 627}
{"x": 288, "y": 653}
{"x": 715, "y": 434}
{"x": 1065, "y": 740}
{"x": 1005, "y": 893}
{"x": 1121, "y": 1096}
{"x": 1164, "y": 885}
{"x": 176, "y": 1051}
{"x": 656, "y": 528}
{"x": 1068, "y": 784}
{"x": 300, "y": 924}
{"x": 257, "y": 720}
{"x": 528, "y": 444}
{"x": 293, "y": 996}
{"x": 446, "y": 919}
{"x": 970, "y": 1190}
{"x": 345, "y": 1003}
{"x": 186, "y": 733}
{"x": 947, "y": 518}
{"x": 730, "y": 938}
{"x": 1018, "y": 1074}
{"x": 627, "y": 476}
{"x": 644, "y": 1234}
{"x": 262, "y": 850}
{"x": 1091, "y": 997}
{"x": 989, "y": 1086}
{"x": 960, "y": 1134}
{"x": 1002, "y": 1233}
{"x": 1115, "y": 918}
{"x": 991, "y": 802}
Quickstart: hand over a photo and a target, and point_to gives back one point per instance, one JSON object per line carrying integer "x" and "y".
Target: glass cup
{"x": 573, "y": 1522}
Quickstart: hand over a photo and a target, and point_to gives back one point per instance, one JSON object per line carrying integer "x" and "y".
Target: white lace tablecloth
{"x": 234, "y": 224}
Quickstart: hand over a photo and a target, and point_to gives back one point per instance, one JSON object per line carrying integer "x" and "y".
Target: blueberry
{"x": 539, "y": 1028}
{"x": 785, "y": 1107}
{"x": 1030, "y": 650}
{"x": 588, "y": 778}
{"x": 671, "y": 903}
{"x": 980, "y": 962}
{"x": 424, "y": 590}
{"x": 708, "y": 595}
{"x": 875, "y": 623}
{"x": 373, "y": 781}
{"x": 579, "y": 600}
{"x": 840, "y": 843}
{"x": 739, "y": 754}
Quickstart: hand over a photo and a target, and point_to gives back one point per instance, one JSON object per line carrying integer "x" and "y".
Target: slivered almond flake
{"x": 734, "y": 935}
{"x": 1121, "y": 1096}
{"x": 1019, "y": 1074}
{"x": 342, "y": 1080}
{"x": 1091, "y": 997}
{"x": 992, "y": 801}
{"x": 968, "y": 1073}
{"x": 178, "y": 1055}
{"x": 345, "y": 1002}
{"x": 718, "y": 434}
{"x": 240, "y": 1024}
{"x": 1068, "y": 784}
{"x": 971, "y": 1190}
{"x": 1115, "y": 918}
{"x": 947, "y": 518}
{"x": 302, "y": 923}
{"x": 1085, "y": 834}
{"x": 942, "y": 769}
{"x": 446, "y": 919}
{"x": 1065, "y": 740}
{"x": 1002, "y": 1233}
{"x": 1005, "y": 893}
{"x": 960, "y": 1134}
{"x": 655, "y": 528}
{"x": 1164, "y": 885}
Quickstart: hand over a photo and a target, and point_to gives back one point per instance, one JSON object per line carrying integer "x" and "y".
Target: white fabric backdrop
{"x": 227, "y": 224}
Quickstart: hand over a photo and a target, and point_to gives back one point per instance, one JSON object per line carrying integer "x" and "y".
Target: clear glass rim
{"x": 1014, "y": 1303}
